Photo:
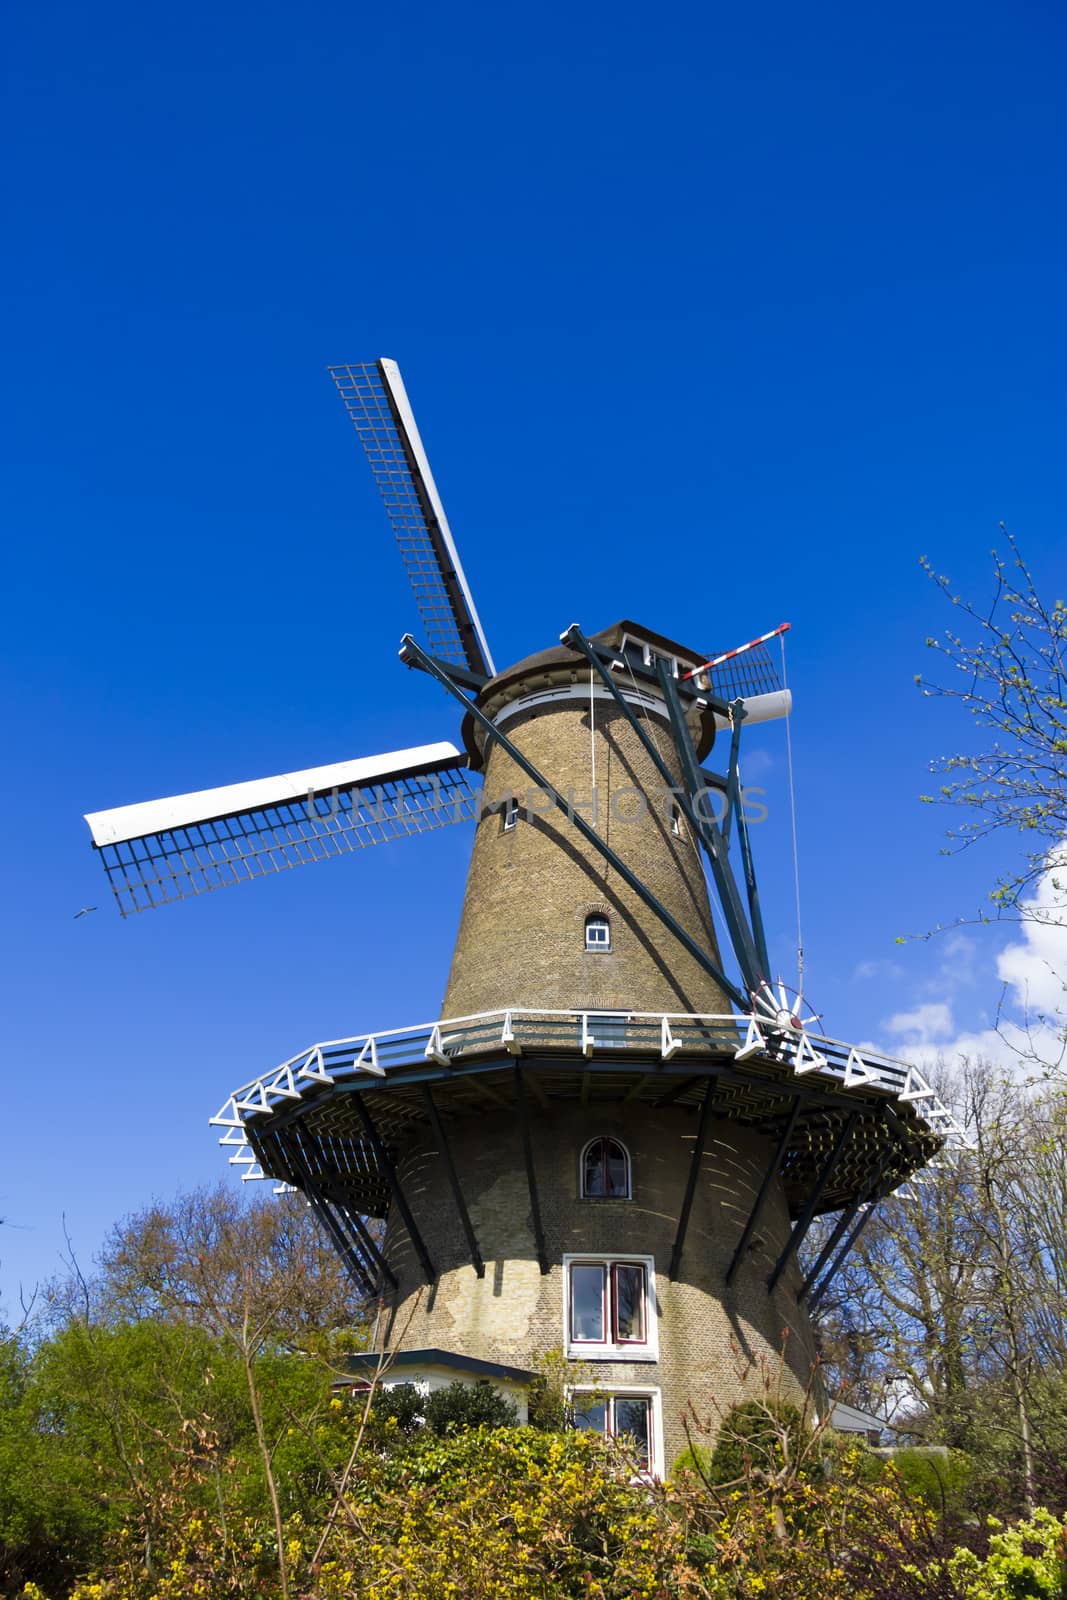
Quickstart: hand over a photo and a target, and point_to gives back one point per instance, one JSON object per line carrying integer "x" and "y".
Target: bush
{"x": 760, "y": 1436}
{"x": 1027, "y": 1562}
{"x": 940, "y": 1481}
{"x": 468, "y": 1405}
{"x": 444, "y": 1411}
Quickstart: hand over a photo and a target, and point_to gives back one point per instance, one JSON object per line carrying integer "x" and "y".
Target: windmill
{"x": 614, "y": 1138}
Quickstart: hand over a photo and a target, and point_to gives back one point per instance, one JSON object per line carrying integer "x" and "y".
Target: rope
{"x": 592, "y": 747}
{"x": 793, "y": 816}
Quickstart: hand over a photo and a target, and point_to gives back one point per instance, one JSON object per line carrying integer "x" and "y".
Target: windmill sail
{"x": 163, "y": 850}
{"x": 376, "y": 400}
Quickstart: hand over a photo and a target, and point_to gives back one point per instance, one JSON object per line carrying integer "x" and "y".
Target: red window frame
{"x": 611, "y": 1428}
{"x": 609, "y": 1300}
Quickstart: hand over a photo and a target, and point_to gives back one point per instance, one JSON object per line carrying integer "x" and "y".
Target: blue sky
{"x": 715, "y": 316}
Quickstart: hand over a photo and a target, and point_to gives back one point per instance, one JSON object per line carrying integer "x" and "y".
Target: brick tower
{"x": 583, "y": 1258}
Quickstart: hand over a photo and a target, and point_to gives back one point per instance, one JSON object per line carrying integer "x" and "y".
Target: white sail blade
{"x": 377, "y": 402}
{"x": 164, "y": 850}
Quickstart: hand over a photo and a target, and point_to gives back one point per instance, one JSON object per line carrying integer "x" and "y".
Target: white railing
{"x": 658, "y": 1034}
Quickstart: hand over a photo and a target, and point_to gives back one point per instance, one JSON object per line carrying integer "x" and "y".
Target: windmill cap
{"x": 560, "y": 665}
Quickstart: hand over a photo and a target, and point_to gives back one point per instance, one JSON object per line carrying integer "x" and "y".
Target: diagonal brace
{"x": 800, "y": 1228}
{"x": 531, "y": 1173}
{"x": 852, "y": 1239}
{"x": 765, "y": 1189}
{"x": 741, "y": 937}
{"x": 385, "y": 1165}
{"x": 863, "y": 1197}
{"x": 691, "y": 1183}
{"x": 453, "y": 1180}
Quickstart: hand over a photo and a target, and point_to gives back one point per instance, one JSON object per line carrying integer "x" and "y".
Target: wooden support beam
{"x": 676, "y": 1093}
{"x": 845, "y": 1222}
{"x": 531, "y": 1174}
{"x": 450, "y": 1169}
{"x": 535, "y": 1085}
{"x": 765, "y": 1189}
{"x": 385, "y": 1166}
{"x": 803, "y": 1223}
{"x": 691, "y": 1182}
{"x": 321, "y": 1210}
{"x": 638, "y": 1086}
{"x": 323, "y": 1214}
{"x": 850, "y": 1242}
{"x": 367, "y": 1239}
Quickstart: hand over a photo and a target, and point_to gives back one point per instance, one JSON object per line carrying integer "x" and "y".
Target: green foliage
{"x": 444, "y": 1411}
{"x": 941, "y": 1481}
{"x": 1027, "y": 1562}
{"x": 98, "y": 1423}
{"x": 757, "y": 1435}
{"x": 469, "y": 1405}
{"x": 694, "y": 1458}
{"x": 402, "y": 1404}
{"x": 547, "y": 1403}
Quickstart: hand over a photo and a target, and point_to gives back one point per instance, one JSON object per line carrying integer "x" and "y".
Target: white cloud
{"x": 878, "y": 969}
{"x": 1036, "y": 969}
{"x": 925, "y": 1025}
{"x": 1029, "y": 1023}
{"x": 757, "y": 764}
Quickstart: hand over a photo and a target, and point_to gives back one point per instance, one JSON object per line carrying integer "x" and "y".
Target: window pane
{"x": 590, "y": 1413}
{"x": 594, "y": 1184}
{"x": 629, "y": 1303}
{"x": 633, "y": 1417}
{"x": 615, "y": 1165}
{"x": 587, "y": 1303}
{"x": 609, "y": 1029}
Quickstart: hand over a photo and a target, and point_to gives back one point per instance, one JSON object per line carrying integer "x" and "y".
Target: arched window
{"x": 597, "y": 933}
{"x": 605, "y": 1170}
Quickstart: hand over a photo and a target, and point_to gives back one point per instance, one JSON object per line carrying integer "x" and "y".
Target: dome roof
{"x": 560, "y": 664}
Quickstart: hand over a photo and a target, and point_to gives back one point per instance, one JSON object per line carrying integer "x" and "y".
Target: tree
{"x": 258, "y": 1278}
{"x": 953, "y": 1307}
{"x": 1009, "y": 668}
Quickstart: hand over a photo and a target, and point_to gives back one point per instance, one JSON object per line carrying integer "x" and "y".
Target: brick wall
{"x": 708, "y": 1334}
{"x": 530, "y": 890}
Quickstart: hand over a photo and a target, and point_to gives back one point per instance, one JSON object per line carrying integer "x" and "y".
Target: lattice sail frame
{"x": 291, "y": 827}
{"x": 377, "y": 402}
{"x": 743, "y": 676}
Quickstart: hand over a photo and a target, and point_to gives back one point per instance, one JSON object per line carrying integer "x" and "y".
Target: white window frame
{"x": 511, "y": 815}
{"x": 628, "y": 1391}
{"x": 624, "y": 1350}
{"x": 650, "y": 656}
{"x": 597, "y": 919}
{"x": 599, "y": 1138}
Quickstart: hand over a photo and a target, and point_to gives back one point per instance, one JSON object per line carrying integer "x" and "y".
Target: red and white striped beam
{"x": 717, "y": 661}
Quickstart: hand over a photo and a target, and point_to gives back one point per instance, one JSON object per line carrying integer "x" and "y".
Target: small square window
{"x": 653, "y": 658}
{"x": 607, "y": 1029}
{"x": 597, "y": 933}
